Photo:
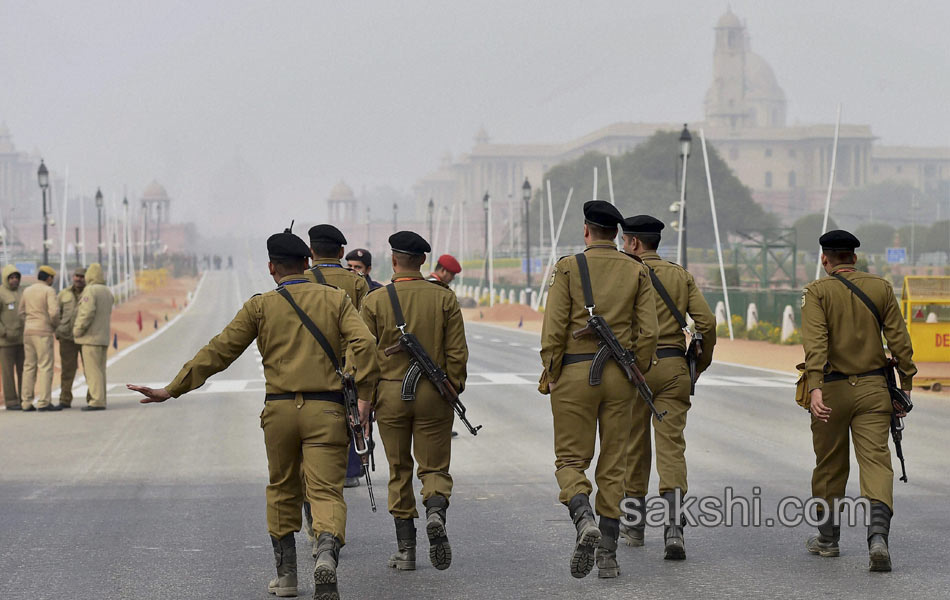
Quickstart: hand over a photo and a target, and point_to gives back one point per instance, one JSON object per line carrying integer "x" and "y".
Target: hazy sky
{"x": 375, "y": 92}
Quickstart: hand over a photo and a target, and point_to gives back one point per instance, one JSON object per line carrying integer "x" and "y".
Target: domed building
{"x": 341, "y": 204}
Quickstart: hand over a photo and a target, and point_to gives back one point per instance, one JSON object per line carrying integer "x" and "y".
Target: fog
{"x": 297, "y": 95}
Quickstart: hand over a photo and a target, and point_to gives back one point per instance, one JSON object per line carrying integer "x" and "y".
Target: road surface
{"x": 167, "y": 501}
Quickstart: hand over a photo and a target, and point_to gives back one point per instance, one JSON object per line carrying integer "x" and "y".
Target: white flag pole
{"x": 62, "y": 225}
{"x": 553, "y": 256}
{"x": 712, "y": 208}
{"x": 831, "y": 185}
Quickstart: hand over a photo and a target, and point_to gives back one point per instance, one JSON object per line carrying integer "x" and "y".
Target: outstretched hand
{"x": 151, "y": 395}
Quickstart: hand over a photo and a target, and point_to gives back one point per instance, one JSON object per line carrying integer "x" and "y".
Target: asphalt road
{"x": 167, "y": 501}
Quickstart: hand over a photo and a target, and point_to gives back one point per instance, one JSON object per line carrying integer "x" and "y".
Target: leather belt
{"x": 570, "y": 359}
{"x": 670, "y": 353}
{"x": 835, "y": 376}
{"x": 325, "y": 396}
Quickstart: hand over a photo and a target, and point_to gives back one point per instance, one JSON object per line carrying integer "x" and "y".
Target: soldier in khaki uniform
{"x": 669, "y": 380}
{"x": 303, "y": 418}
{"x": 624, "y": 297}
{"x": 844, "y": 369}
{"x": 11, "y": 337}
{"x": 68, "y": 348}
{"x": 423, "y": 426}
{"x": 91, "y": 331}
{"x": 39, "y": 310}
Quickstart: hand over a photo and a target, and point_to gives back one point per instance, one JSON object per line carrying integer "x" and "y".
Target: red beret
{"x": 448, "y": 262}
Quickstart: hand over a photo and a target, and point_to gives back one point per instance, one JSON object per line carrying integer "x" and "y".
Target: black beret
{"x": 409, "y": 242}
{"x": 839, "y": 239}
{"x": 286, "y": 245}
{"x": 601, "y": 213}
{"x": 362, "y": 255}
{"x": 642, "y": 224}
{"x": 326, "y": 234}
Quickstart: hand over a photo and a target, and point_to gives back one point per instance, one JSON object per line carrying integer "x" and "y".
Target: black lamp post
{"x": 395, "y": 219}
{"x": 43, "y": 176}
{"x": 99, "y": 220}
{"x": 526, "y": 197}
{"x": 127, "y": 253}
{"x": 429, "y": 216}
{"x": 685, "y": 141}
{"x": 367, "y": 227}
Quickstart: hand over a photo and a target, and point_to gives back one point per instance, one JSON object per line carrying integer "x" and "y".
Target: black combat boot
{"x": 633, "y": 534}
{"x": 878, "y": 531}
{"x": 285, "y": 555}
{"x": 440, "y": 553}
{"x": 405, "y": 558}
{"x": 324, "y": 571}
{"x": 606, "y": 554}
{"x": 675, "y": 545}
{"x": 588, "y": 536}
{"x": 826, "y": 542}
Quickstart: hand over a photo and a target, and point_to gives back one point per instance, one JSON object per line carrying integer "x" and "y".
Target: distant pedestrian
{"x": 91, "y": 331}
{"x": 11, "y": 337}
{"x": 39, "y": 310}
{"x": 68, "y": 348}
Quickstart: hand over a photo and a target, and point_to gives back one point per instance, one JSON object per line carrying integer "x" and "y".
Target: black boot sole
{"x": 324, "y": 584}
{"x": 880, "y": 561}
{"x": 674, "y": 552}
{"x": 440, "y": 552}
{"x": 582, "y": 561}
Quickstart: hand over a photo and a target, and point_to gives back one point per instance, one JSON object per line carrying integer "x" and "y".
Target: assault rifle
{"x": 902, "y": 405}
{"x": 361, "y": 443}
{"x": 610, "y": 347}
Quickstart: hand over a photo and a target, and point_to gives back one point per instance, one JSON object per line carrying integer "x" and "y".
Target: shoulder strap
{"x": 397, "y": 310}
{"x": 665, "y": 295}
{"x": 585, "y": 281}
{"x": 311, "y": 327}
{"x": 316, "y": 273}
{"x": 863, "y": 297}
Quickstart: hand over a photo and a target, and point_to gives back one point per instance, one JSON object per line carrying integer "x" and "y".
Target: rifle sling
{"x": 584, "y": 272}
{"x": 318, "y": 274}
{"x": 397, "y": 309}
{"x": 863, "y": 298}
{"x": 312, "y": 328}
{"x": 665, "y": 295}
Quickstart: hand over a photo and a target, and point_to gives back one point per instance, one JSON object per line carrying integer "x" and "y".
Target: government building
{"x": 787, "y": 167}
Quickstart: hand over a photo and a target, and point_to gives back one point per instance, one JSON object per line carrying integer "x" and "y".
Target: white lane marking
{"x": 495, "y": 341}
{"x": 514, "y": 344}
{"x": 502, "y": 379}
{"x": 477, "y": 337}
{"x": 741, "y": 366}
{"x": 537, "y": 349}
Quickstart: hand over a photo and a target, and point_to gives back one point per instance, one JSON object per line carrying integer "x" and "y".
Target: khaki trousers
{"x": 308, "y": 434}
{"x": 37, "y": 370}
{"x": 863, "y": 407}
{"x": 420, "y": 428}
{"x": 69, "y": 361}
{"x": 94, "y": 367}
{"x": 669, "y": 382}
{"x": 11, "y": 367}
{"x": 578, "y": 409}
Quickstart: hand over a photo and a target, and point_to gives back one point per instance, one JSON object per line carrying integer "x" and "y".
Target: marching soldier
{"x": 421, "y": 426}
{"x": 623, "y": 296}
{"x": 844, "y": 367}
{"x": 303, "y": 418}
{"x": 446, "y": 268}
{"x": 670, "y": 381}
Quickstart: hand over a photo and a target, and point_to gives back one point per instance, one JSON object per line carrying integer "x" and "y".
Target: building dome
{"x": 761, "y": 83}
{"x": 154, "y": 191}
{"x": 482, "y": 136}
{"x": 341, "y": 191}
{"x": 729, "y": 21}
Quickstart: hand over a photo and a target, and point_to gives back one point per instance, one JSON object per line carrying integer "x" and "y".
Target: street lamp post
{"x": 485, "y": 201}
{"x": 367, "y": 228}
{"x": 430, "y": 211}
{"x": 526, "y": 197}
{"x": 43, "y": 176}
{"x": 685, "y": 142}
{"x": 99, "y": 220}
{"x": 395, "y": 217}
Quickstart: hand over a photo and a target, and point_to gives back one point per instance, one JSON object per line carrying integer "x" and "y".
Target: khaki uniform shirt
{"x": 39, "y": 309}
{"x": 293, "y": 359}
{"x": 841, "y": 334}
{"x": 623, "y": 296}
{"x": 68, "y": 304}
{"x": 686, "y": 296}
{"x": 432, "y": 314}
{"x": 350, "y": 282}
